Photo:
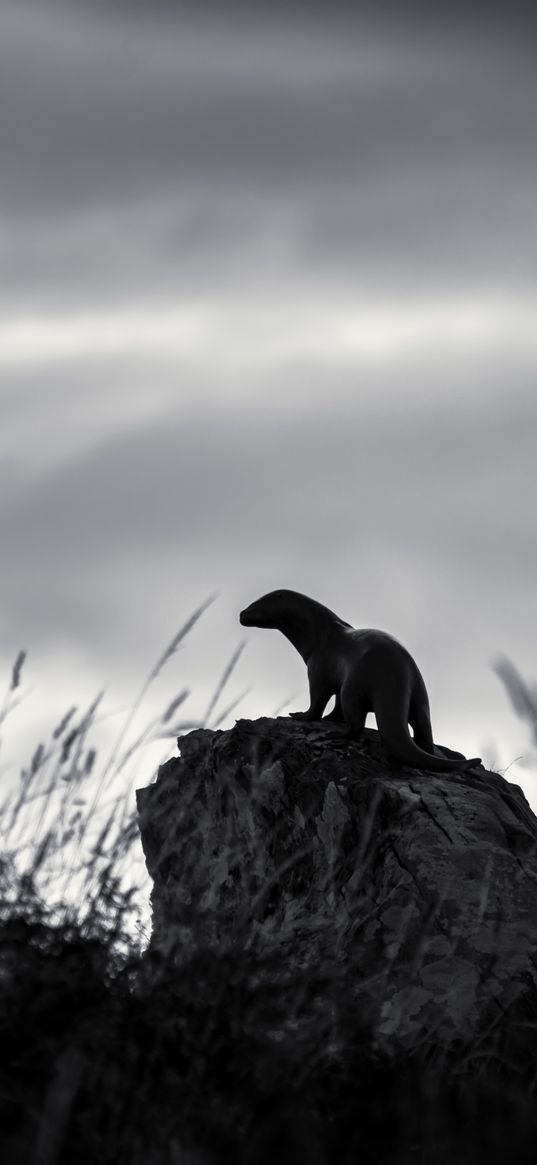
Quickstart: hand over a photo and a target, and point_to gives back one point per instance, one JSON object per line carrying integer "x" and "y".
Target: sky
{"x": 268, "y": 295}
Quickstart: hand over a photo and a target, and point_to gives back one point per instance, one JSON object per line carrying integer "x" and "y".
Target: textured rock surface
{"x": 421, "y": 887}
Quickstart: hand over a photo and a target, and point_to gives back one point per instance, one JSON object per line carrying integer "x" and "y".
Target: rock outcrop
{"x": 409, "y": 899}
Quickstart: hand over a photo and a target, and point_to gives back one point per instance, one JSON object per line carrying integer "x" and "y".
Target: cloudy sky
{"x": 268, "y": 306}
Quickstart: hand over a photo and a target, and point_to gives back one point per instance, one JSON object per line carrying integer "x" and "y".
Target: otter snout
{"x": 269, "y": 610}
{"x": 253, "y": 616}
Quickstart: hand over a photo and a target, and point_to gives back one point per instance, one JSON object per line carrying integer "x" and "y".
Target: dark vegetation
{"x": 109, "y": 1054}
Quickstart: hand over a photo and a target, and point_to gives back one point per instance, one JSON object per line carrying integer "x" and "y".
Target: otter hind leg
{"x": 419, "y": 719}
{"x": 354, "y": 710}
{"x": 336, "y": 715}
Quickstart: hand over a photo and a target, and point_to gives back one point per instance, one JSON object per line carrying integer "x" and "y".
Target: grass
{"x": 112, "y": 1053}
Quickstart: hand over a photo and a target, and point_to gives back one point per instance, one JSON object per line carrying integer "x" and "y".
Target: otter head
{"x": 296, "y": 616}
{"x": 272, "y": 610}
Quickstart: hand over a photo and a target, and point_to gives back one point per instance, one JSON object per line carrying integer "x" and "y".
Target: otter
{"x": 366, "y": 670}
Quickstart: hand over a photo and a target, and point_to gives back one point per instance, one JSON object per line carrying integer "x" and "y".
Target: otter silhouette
{"x": 366, "y": 670}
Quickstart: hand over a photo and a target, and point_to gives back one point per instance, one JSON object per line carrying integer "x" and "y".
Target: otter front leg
{"x": 319, "y": 695}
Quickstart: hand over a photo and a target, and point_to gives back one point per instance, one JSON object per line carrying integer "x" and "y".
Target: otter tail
{"x": 400, "y": 746}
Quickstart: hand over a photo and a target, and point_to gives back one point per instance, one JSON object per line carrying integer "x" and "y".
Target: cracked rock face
{"x": 415, "y": 893}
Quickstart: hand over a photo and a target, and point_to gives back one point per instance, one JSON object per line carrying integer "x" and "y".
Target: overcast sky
{"x": 268, "y": 306}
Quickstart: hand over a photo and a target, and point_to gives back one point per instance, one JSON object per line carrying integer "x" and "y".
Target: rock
{"x": 408, "y": 899}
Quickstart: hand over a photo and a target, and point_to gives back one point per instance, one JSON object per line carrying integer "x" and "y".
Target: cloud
{"x": 266, "y": 333}
{"x": 148, "y": 162}
{"x": 382, "y": 500}
{"x": 254, "y": 482}
{"x": 102, "y": 113}
{"x": 267, "y": 317}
